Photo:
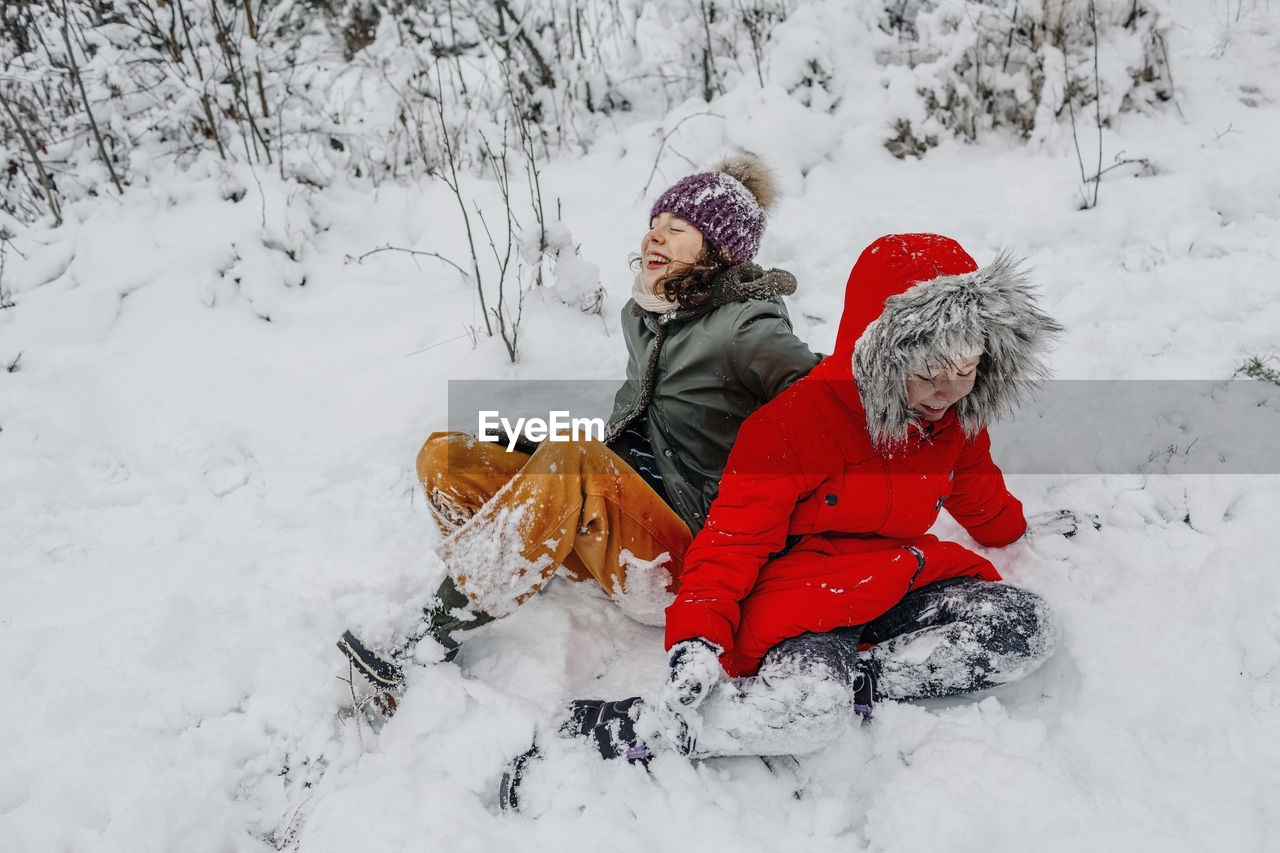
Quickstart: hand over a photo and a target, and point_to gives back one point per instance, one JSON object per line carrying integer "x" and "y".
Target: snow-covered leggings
{"x": 949, "y": 637}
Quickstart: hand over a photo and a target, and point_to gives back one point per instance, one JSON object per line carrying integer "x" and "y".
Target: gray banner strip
{"x": 1062, "y": 427}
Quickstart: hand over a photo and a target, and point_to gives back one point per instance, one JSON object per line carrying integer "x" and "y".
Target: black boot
{"x": 609, "y": 726}
{"x": 381, "y": 673}
{"x": 509, "y": 787}
{"x": 864, "y": 692}
{"x": 440, "y": 621}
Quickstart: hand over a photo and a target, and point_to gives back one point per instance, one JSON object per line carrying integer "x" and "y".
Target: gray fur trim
{"x": 993, "y": 308}
{"x": 736, "y": 283}
{"x": 750, "y": 281}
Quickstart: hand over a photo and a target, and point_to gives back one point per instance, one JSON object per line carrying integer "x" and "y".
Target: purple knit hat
{"x": 727, "y": 205}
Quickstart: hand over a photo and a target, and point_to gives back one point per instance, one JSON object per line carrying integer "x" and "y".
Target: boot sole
{"x": 378, "y": 672}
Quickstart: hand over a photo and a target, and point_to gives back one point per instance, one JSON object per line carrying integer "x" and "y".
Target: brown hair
{"x": 689, "y": 285}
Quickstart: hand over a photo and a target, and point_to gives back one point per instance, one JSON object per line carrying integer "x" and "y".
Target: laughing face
{"x": 669, "y": 243}
{"x": 932, "y": 391}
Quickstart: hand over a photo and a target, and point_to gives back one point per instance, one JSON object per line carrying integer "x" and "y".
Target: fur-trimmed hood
{"x": 889, "y": 266}
{"x": 993, "y": 309}
{"x": 736, "y": 283}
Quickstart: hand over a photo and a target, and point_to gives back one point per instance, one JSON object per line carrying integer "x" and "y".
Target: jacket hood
{"x": 889, "y": 266}
{"x": 993, "y": 310}
{"x": 736, "y": 283}
{"x": 750, "y": 281}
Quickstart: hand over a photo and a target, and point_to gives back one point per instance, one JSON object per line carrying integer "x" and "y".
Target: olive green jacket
{"x": 700, "y": 371}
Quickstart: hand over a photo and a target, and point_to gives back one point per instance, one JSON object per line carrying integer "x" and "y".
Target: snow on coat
{"x": 817, "y": 525}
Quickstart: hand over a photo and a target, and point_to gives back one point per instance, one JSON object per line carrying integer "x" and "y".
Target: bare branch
{"x": 413, "y": 252}
{"x": 663, "y": 144}
{"x": 88, "y": 110}
{"x": 45, "y": 182}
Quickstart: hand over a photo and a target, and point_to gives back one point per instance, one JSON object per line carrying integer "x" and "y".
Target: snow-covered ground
{"x": 206, "y": 475}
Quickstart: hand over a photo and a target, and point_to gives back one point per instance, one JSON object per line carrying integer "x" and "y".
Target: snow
{"x": 214, "y": 396}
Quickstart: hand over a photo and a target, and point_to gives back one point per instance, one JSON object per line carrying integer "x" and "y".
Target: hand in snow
{"x": 695, "y": 668}
{"x": 1064, "y": 522}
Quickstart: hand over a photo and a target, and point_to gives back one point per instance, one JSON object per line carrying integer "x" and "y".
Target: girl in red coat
{"x": 818, "y": 542}
{"x": 817, "y": 545}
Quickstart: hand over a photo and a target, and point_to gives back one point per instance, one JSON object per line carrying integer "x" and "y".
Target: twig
{"x": 356, "y": 701}
{"x": 75, "y": 77}
{"x": 663, "y": 144}
{"x": 1008, "y": 46}
{"x": 1173, "y": 90}
{"x": 45, "y": 181}
{"x": 545, "y": 76}
{"x": 389, "y": 248}
{"x": 1097, "y": 96}
{"x": 452, "y": 182}
{"x": 262, "y": 196}
{"x": 499, "y": 312}
{"x": 280, "y": 139}
{"x": 5, "y": 301}
{"x": 195, "y": 54}
{"x": 213, "y": 126}
{"x": 1075, "y": 139}
{"x": 428, "y": 347}
{"x": 502, "y": 177}
{"x": 531, "y": 171}
{"x": 290, "y": 839}
{"x": 1124, "y": 161}
{"x": 709, "y": 72}
{"x": 239, "y": 82}
{"x": 253, "y": 34}
{"x": 248, "y": 14}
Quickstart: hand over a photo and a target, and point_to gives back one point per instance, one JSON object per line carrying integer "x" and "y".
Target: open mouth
{"x": 655, "y": 261}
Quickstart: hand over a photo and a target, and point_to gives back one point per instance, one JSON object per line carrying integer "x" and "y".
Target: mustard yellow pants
{"x": 511, "y": 520}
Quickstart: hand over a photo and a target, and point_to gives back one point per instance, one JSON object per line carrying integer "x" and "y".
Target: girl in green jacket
{"x": 708, "y": 342}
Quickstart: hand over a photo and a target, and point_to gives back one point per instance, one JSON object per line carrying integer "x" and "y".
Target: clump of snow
{"x": 497, "y": 540}
{"x": 574, "y": 281}
{"x": 647, "y": 591}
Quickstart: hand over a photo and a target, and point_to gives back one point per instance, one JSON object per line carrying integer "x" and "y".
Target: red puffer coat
{"x": 815, "y": 529}
{"x": 803, "y": 471}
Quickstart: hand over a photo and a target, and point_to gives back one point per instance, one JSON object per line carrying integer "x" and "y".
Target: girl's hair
{"x": 690, "y": 285}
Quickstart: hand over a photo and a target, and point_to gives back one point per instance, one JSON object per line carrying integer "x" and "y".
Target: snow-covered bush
{"x": 1025, "y": 66}
{"x": 93, "y": 92}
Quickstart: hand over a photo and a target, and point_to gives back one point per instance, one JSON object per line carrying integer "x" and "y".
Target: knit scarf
{"x": 650, "y": 301}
